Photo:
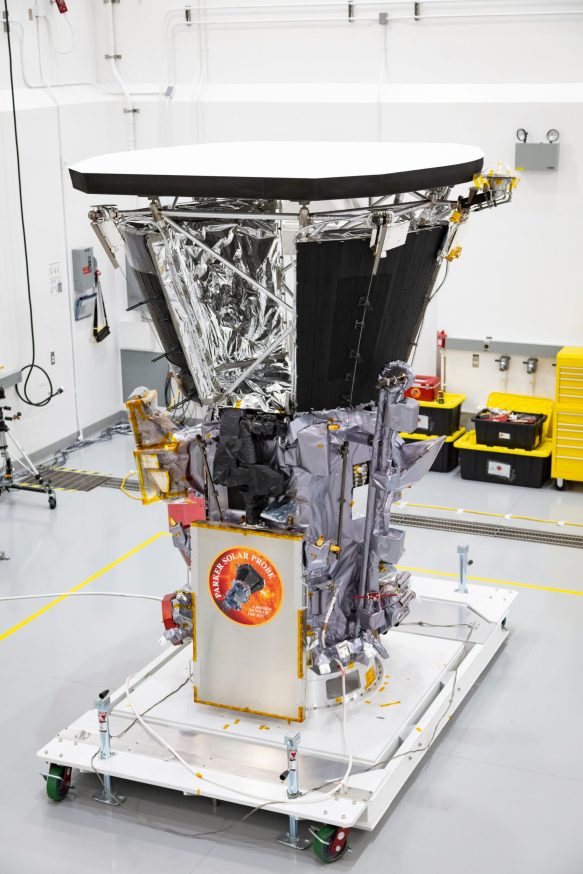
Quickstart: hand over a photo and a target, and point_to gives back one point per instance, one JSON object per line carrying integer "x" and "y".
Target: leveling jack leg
{"x": 464, "y": 563}
{"x": 292, "y": 837}
{"x": 103, "y": 705}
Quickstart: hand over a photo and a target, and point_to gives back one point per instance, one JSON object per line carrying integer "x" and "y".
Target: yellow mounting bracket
{"x": 453, "y": 254}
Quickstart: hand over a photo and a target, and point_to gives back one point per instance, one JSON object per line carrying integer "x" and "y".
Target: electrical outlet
{"x": 55, "y": 277}
{"x": 52, "y": 357}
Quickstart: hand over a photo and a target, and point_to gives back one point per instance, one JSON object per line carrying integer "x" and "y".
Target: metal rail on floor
{"x": 485, "y": 529}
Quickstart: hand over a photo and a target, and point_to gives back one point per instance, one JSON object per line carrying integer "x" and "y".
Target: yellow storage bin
{"x": 450, "y": 401}
{"x": 468, "y": 441}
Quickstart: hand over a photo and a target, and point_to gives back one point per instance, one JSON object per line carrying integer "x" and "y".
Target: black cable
{"x": 429, "y": 299}
{"x": 155, "y": 704}
{"x": 24, "y": 397}
{"x": 365, "y": 310}
{"x": 166, "y": 390}
{"x": 440, "y": 284}
{"x": 62, "y": 455}
{"x": 204, "y": 834}
{"x": 131, "y": 725}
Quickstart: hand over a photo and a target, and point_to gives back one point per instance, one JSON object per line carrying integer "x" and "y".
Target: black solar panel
{"x": 332, "y": 282}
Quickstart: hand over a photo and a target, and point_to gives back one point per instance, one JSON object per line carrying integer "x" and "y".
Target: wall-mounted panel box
{"x": 536, "y": 156}
{"x": 84, "y": 266}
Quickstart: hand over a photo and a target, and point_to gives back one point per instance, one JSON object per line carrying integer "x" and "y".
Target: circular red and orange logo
{"x": 245, "y": 586}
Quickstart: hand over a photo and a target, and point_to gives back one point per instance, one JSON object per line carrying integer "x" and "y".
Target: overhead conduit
{"x": 111, "y": 56}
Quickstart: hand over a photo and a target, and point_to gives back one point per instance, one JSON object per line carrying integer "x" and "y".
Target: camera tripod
{"x": 7, "y": 481}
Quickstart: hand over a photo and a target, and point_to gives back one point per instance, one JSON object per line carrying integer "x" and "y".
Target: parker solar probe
{"x": 287, "y": 283}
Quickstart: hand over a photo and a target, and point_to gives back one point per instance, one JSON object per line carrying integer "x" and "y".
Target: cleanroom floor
{"x": 502, "y": 790}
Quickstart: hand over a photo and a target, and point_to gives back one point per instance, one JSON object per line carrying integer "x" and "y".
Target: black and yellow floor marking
{"x": 71, "y": 479}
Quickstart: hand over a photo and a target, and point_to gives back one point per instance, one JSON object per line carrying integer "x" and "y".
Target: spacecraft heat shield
{"x": 236, "y": 342}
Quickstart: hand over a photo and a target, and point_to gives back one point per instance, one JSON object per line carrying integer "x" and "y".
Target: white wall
{"x": 463, "y": 80}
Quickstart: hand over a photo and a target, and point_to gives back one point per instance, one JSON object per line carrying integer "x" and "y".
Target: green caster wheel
{"x": 58, "y": 782}
{"x": 330, "y": 843}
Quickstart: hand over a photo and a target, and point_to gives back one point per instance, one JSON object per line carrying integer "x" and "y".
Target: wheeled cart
{"x": 436, "y": 657}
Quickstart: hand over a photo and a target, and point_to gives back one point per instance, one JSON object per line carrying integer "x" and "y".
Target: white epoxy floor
{"x": 501, "y": 792}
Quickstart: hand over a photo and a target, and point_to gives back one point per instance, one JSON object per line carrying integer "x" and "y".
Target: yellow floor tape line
{"x": 424, "y": 570}
{"x": 82, "y": 585}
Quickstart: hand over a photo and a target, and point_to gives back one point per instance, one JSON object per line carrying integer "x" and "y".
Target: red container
{"x": 187, "y": 512}
{"x": 425, "y": 388}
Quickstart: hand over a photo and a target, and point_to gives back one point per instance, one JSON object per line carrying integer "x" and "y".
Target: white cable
{"x": 204, "y": 43}
{"x": 344, "y": 731}
{"x": 80, "y": 594}
{"x": 327, "y": 617}
{"x": 32, "y": 85}
{"x": 50, "y": 33}
{"x": 194, "y": 772}
{"x": 383, "y": 80}
{"x": 111, "y": 51}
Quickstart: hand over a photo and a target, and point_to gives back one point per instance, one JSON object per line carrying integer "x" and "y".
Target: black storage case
{"x": 516, "y": 435}
{"x": 442, "y": 420}
{"x": 532, "y": 471}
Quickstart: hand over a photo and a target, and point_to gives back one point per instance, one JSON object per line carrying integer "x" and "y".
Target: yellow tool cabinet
{"x": 568, "y": 423}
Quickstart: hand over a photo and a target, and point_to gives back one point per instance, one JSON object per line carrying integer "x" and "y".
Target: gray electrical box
{"x": 536, "y": 156}
{"x": 84, "y": 266}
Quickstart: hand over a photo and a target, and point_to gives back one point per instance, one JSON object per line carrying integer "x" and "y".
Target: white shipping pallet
{"x": 238, "y": 757}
